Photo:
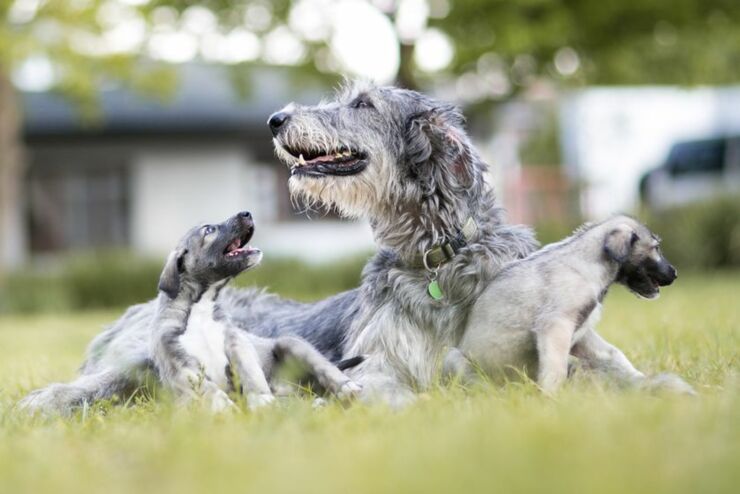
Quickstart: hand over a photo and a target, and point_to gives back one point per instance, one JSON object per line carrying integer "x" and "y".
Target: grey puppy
{"x": 193, "y": 350}
{"x": 540, "y": 310}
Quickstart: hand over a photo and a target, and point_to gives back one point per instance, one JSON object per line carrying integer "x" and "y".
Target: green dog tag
{"x": 435, "y": 291}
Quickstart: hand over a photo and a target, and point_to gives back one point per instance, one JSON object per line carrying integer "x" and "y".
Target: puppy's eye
{"x": 634, "y": 238}
{"x": 207, "y": 230}
{"x": 361, "y": 102}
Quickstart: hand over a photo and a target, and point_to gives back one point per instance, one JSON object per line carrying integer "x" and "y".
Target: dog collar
{"x": 440, "y": 254}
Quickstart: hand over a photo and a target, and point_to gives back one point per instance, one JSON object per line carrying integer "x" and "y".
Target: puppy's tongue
{"x": 234, "y": 246}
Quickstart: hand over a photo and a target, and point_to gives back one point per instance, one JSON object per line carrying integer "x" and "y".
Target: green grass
{"x": 592, "y": 438}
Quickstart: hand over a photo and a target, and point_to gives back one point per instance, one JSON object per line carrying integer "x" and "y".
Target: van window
{"x": 697, "y": 157}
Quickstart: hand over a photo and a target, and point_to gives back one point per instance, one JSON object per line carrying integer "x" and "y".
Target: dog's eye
{"x": 361, "y": 102}
{"x": 207, "y": 230}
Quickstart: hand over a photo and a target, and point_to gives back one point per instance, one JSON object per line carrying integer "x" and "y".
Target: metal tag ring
{"x": 426, "y": 263}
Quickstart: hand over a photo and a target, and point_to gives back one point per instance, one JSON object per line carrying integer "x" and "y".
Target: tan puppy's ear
{"x": 619, "y": 242}
{"x": 169, "y": 280}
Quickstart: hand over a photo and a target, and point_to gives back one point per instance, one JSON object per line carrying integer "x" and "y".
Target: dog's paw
{"x": 669, "y": 383}
{"x": 220, "y": 402}
{"x": 319, "y": 403}
{"x": 259, "y": 400}
{"x": 349, "y": 390}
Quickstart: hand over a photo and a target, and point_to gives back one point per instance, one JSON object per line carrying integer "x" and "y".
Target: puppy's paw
{"x": 220, "y": 402}
{"x": 349, "y": 390}
{"x": 259, "y": 400}
{"x": 669, "y": 383}
{"x": 319, "y": 403}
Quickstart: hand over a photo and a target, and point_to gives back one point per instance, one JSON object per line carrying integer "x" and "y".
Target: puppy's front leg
{"x": 553, "y": 347}
{"x": 601, "y": 356}
{"x": 328, "y": 375}
{"x": 247, "y": 364}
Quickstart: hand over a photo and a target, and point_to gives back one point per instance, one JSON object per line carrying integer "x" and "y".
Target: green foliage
{"x": 617, "y": 41}
{"x": 116, "y": 280}
{"x": 703, "y": 235}
{"x": 510, "y": 439}
{"x": 69, "y": 34}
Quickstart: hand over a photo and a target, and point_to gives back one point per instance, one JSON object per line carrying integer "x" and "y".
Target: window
{"x": 697, "y": 157}
{"x": 78, "y": 208}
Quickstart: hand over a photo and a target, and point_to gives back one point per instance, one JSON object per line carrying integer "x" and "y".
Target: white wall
{"x": 175, "y": 190}
{"x": 611, "y": 136}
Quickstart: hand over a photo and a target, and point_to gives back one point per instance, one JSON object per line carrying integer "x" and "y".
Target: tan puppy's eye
{"x": 209, "y": 229}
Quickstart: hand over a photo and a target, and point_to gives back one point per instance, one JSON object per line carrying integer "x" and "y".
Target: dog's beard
{"x": 355, "y": 196}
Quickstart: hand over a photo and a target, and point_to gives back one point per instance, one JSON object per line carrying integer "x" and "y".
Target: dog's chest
{"x": 204, "y": 339}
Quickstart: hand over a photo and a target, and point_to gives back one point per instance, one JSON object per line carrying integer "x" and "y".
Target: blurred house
{"x": 149, "y": 170}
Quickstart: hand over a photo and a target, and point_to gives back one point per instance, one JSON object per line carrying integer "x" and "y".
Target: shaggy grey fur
{"x": 542, "y": 309}
{"x": 405, "y": 163}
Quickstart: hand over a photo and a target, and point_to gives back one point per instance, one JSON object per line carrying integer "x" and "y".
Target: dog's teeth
{"x": 301, "y": 161}
{"x": 346, "y": 153}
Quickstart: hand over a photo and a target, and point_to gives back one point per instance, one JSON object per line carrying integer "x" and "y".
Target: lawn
{"x": 591, "y": 438}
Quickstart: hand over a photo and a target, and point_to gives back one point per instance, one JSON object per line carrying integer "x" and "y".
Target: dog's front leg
{"x": 247, "y": 364}
{"x": 553, "y": 347}
{"x": 328, "y": 375}
{"x": 601, "y": 356}
{"x": 178, "y": 370}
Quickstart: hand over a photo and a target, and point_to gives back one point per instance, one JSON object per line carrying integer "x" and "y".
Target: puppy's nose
{"x": 245, "y": 214}
{"x": 277, "y": 120}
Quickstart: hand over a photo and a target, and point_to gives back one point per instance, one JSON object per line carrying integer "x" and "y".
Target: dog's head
{"x": 376, "y": 148}
{"x": 208, "y": 254}
{"x": 642, "y": 267}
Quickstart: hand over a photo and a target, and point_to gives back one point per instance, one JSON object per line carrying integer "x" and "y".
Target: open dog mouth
{"x": 239, "y": 247}
{"x": 342, "y": 162}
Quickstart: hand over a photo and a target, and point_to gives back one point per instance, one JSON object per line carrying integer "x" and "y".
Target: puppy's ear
{"x": 169, "y": 280}
{"x": 619, "y": 242}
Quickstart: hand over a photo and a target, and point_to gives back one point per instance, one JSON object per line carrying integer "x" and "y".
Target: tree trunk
{"x": 12, "y": 237}
{"x": 406, "y": 77}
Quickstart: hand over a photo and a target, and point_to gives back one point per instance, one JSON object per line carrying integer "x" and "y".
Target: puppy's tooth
{"x": 301, "y": 161}
{"x": 346, "y": 153}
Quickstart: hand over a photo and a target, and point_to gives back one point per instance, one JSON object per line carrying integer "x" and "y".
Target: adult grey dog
{"x": 540, "y": 310}
{"x": 404, "y": 161}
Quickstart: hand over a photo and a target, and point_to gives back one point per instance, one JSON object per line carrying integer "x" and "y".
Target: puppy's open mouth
{"x": 341, "y": 162}
{"x": 239, "y": 247}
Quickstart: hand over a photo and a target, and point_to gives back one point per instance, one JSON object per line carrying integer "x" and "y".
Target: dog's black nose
{"x": 245, "y": 214}
{"x": 277, "y": 120}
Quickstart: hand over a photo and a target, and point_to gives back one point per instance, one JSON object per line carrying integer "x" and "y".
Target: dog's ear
{"x": 619, "y": 242}
{"x": 169, "y": 280}
{"x": 437, "y": 135}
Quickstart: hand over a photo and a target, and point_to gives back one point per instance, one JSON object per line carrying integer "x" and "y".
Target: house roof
{"x": 205, "y": 102}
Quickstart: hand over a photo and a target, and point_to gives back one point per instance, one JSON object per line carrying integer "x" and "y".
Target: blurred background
{"x": 125, "y": 122}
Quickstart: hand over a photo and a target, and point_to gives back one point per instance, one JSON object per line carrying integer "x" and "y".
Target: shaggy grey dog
{"x": 405, "y": 162}
{"x": 539, "y": 311}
